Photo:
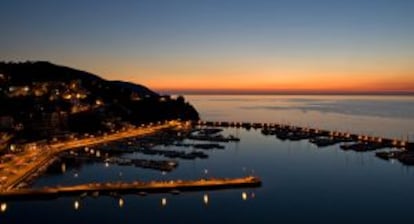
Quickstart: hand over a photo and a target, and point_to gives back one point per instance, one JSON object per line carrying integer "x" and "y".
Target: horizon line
{"x": 283, "y": 92}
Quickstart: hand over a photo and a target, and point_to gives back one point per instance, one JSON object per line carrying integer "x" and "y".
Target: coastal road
{"x": 28, "y": 162}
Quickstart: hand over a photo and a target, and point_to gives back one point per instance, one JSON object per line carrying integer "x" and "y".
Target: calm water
{"x": 301, "y": 183}
{"x": 388, "y": 116}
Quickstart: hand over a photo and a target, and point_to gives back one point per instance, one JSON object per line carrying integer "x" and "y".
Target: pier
{"x": 398, "y": 149}
{"x": 289, "y": 132}
{"x": 172, "y": 186}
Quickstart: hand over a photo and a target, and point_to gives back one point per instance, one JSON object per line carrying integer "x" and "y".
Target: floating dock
{"x": 134, "y": 187}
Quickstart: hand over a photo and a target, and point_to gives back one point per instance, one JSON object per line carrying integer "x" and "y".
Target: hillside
{"x": 43, "y": 99}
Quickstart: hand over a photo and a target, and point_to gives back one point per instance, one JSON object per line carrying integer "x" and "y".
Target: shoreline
{"x": 52, "y": 150}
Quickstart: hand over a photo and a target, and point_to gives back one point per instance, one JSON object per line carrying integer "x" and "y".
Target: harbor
{"x": 37, "y": 157}
{"x": 285, "y": 165}
{"x": 399, "y": 149}
{"x": 107, "y": 149}
{"x": 202, "y": 131}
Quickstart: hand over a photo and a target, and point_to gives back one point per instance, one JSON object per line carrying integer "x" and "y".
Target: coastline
{"x": 43, "y": 158}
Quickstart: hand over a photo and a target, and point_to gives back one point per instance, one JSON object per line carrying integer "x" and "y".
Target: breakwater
{"x": 290, "y": 132}
{"x": 133, "y": 187}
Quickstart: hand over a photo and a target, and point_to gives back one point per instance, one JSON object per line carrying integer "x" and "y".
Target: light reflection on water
{"x": 301, "y": 184}
{"x": 320, "y": 183}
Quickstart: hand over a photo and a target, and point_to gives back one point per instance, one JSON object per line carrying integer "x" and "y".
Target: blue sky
{"x": 154, "y": 41}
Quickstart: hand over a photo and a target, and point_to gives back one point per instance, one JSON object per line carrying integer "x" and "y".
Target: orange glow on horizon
{"x": 315, "y": 83}
{"x": 265, "y": 75}
{"x": 322, "y": 84}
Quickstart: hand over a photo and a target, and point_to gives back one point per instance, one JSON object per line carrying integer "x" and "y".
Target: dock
{"x": 133, "y": 187}
{"x": 290, "y": 132}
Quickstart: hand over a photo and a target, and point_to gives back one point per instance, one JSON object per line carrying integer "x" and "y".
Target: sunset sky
{"x": 221, "y": 45}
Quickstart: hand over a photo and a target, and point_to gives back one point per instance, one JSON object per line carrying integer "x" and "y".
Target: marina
{"x": 294, "y": 133}
{"x": 323, "y": 138}
{"x": 279, "y": 163}
{"x": 41, "y": 156}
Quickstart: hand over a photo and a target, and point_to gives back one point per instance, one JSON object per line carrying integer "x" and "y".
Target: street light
{"x": 3, "y": 207}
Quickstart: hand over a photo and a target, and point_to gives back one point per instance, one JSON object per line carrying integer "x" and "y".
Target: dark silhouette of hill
{"x": 40, "y": 97}
{"x": 142, "y": 90}
{"x": 29, "y": 72}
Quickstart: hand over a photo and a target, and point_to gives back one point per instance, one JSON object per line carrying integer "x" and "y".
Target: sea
{"x": 301, "y": 183}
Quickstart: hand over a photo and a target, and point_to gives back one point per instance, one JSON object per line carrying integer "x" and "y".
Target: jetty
{"x": 295, "y": 133}
{"x": 137, "y": 187}
{"x": 401, "y": 150}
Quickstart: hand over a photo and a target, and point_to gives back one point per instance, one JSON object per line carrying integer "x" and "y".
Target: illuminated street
{"x": 24, "y": 164}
